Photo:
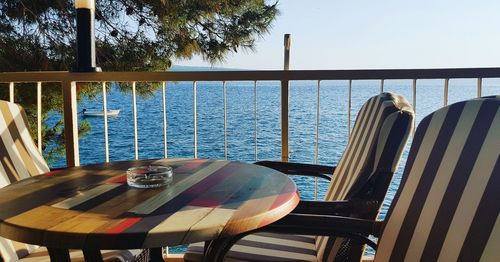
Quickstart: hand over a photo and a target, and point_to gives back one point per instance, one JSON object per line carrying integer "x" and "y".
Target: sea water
{"x": 253, "y": 121}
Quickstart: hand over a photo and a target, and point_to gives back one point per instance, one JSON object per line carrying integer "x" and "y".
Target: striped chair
{"x": 446, "y": 207}
{"x": 19, "y": 158}
{"x": 357, "y": 187}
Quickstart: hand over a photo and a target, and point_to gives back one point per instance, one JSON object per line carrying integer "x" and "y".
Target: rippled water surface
{"x": 252, "y": 136}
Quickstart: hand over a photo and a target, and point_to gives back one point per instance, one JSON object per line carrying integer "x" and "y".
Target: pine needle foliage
{"x": 131, "y": 35}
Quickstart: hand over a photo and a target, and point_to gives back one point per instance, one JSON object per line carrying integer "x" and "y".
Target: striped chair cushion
{"x": 376, "y": 144}
{"x": 447, "y": 206}
{"x": 264, "y": 247}
{"x": 42, "y": 255}
{"x": 20, "y": 157}
{"x": 15, "y": 251}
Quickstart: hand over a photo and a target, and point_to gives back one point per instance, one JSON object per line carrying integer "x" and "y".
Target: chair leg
{"x": 92, "y": 254}
{"x": 156, "y": 254}
{"x": 59, "y": 255}
{"x": 217, "y": 249}
{"x": 205, "y": 247}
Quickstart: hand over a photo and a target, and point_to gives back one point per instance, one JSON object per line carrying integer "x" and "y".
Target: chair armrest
{"x": 337, "y": 208}
{"x": 323, "y": 225}
{"x": 324, "y": 207}
{"x": 306, "y": 224}
{"x": 299, "y": 168}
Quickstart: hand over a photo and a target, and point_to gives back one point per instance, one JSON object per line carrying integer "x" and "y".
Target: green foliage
{"x": 131, "y": 35}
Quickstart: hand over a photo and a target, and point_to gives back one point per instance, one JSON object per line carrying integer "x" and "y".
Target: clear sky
{"x": 357, "y": 34}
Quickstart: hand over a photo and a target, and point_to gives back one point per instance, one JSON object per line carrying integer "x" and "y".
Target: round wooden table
{"x": 92, "y": 207}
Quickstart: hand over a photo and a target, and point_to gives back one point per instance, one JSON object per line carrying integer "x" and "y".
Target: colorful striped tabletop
{"x": 92, "y": 206}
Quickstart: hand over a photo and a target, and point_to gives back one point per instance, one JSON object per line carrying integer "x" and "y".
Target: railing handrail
{"x": 250, "y": 75}
{"x": 68, "y": 82}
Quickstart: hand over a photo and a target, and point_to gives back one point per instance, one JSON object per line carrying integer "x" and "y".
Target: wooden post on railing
{"x": 284, "y": 103}
{"x": 70, "y": 124}
{"x": 287, "y": 43}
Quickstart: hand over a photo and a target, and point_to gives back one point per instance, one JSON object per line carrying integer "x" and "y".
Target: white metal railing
{"x": 134, "y": 109}
{"x": 68, "y": 82}
{"x": 316, "y": 155}
{"x": 195, "y": 133}
{"x": 105, "y": 111}
{"x": 38, "y": 114}
{"x": 224, "y": 90}
{"x": 164, "y": 109}
{"x": 255, "y": 119}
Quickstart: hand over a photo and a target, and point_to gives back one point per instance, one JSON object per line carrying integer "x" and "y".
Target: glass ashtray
{"x": 149, "y": 176}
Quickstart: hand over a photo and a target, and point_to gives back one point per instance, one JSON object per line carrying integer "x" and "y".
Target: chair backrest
{"x": 19, "y": 158}
{"x": 446, "y": 208}
{"x": 373, "y": 152}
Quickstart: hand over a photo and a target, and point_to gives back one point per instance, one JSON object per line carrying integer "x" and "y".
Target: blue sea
{"x": 255, "y": 137}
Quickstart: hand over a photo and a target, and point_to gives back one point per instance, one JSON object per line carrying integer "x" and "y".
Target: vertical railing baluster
{"x": 224, "y": 97}
{"x": 134, "y": 109}
{"x": 255, "y": 116}
{"x": 195, "y": 122}
{"x": 414, "y": 88}
{"x": 381, "y": 85}
{"x": 349, "y": 104}
{"x": 39, "y": 114}
{"x": 105, "y": 111}
{"x": 445, "y": 91}
{"x": 164, "y": 104}
{"x": 11, "y": 92}
{"x": 285, "y": 150}
{"x": 317, "y": 138}
{"x": 479, "y": 87}
{"x": 414, "y": 101}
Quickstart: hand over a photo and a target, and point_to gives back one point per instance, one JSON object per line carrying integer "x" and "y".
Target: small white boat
{"x": 100, "y": 113}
